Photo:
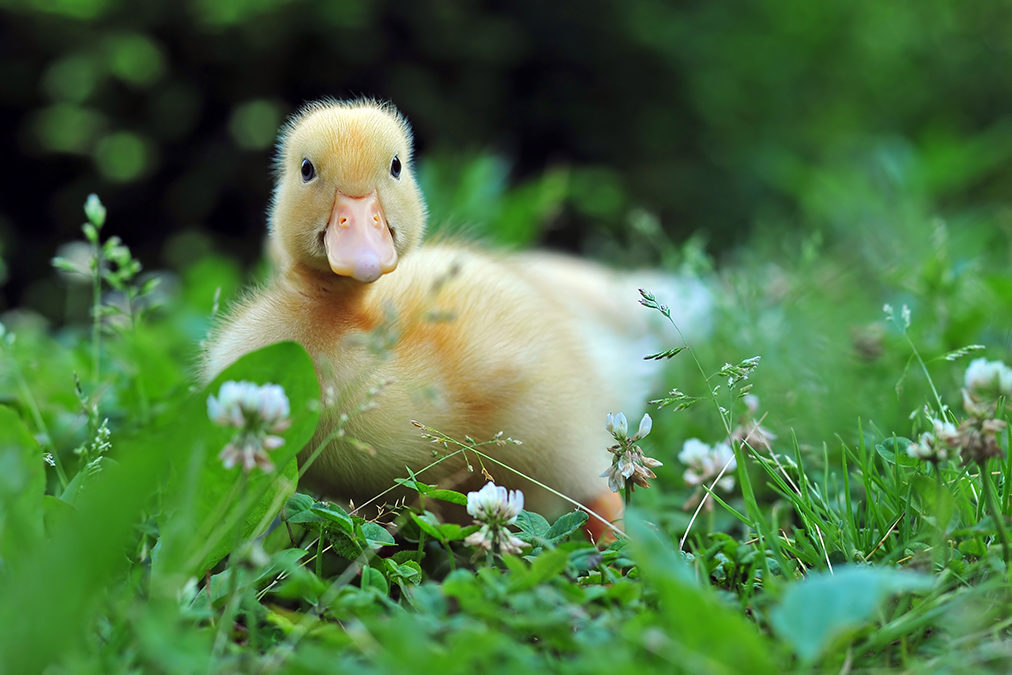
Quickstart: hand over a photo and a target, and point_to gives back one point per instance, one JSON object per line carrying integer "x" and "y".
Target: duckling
{"x": 537, "y": 346}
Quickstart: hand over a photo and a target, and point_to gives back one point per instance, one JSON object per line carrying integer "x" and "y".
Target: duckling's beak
{"x": 357, "y": 238}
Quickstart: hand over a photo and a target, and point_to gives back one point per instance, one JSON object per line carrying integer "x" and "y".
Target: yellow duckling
{"x": 537, "y": 346}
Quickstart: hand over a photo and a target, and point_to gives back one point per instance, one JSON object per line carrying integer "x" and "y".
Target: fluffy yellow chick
{"x": 537, "y": 346}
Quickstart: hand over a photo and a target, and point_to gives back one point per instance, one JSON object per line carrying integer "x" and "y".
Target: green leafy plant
{"x": 149, "y": 523}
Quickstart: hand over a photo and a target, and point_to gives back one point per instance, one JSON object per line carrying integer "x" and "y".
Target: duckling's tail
{"x": 617, "y": 330}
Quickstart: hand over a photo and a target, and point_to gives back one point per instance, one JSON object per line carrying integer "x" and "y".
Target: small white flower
{"x": 629, "y": 464}
{"x": 245, "y": 404}
{"x": 941, "y": 443}
{"x": 646, "y": 424}
{"x": 257, "y": 412}
{"x": 694, "y": 452}
{"x": 988, "y": 377}
{"x": 924, "y": 448}
{"x": 493, "y": 503}
{"x": 488, "y": 538}
{"x": 704, "y": 462}
{"x": 617, "y": 425}
{"x": 493, "y": 507}
{"x": 945, "y": 432}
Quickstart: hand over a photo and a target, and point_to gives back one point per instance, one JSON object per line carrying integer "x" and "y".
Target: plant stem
{"x": 999, "y": 516}
{"x": 234, "y": 600}
{"x": 927, "y": 375}
{"x": 96, "y": 301}
{"x": 940, "y": 546}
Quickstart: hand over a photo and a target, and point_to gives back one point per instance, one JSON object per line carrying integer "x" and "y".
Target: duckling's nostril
{"x": 343, "y": 222}
{"x": 375, "y": 220}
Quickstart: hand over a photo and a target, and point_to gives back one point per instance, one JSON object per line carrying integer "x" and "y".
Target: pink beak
{"x": 358, "y": 240}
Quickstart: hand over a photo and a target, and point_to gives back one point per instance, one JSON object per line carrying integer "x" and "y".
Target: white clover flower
{"x": 502, "y": 539}
{"x": 704, "y": 462}
{"x": 494, "y": 507}
{"x": 923, "y": 448}
{"x": 629, "y": 464}
{"x": 257, "y": 412}
{"x": 617, "y": 425}
{"x": 945, "y": 432}
{"x": 694, "y": 453}
{"x": 495, "y": 503}
{"x": 941, "y": 443}
{"x": 646, "y": 424}
{"x": 240, "y": 404}
{"x": 988, "y": 377}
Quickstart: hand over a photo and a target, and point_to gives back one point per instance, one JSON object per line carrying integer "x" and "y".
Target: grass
{"x": 127, "y": 546}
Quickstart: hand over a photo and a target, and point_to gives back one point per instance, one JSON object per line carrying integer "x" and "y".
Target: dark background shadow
{"x": 705, "y": 114}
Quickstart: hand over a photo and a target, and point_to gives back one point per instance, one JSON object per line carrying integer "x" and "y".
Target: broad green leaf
{"x": 566, "y": 525}
{"x": 377, "y": 536}
{"x": 451, "y": 496}
{"x": 824, "y": 607}
{"x": 974, "y": 547}
{"x": 455, "y": 532}
{"x": 211, "y": 508}
{"x": 547, "y": 565}
{"x": 428, "y": 524}
{"x": 427, "y": 490}
{"x": 410, "y": 571}
{"x": 336, "y": 515}
{"x": 441, "y": 531}
{"x": 373, "y": 578}
{"x": 582, "y": 556}
{"x": 297, "y": 503}
{"x": 345, "y": 545}
{"x": 22, "y": 483}
{"x": 532, "y": 525}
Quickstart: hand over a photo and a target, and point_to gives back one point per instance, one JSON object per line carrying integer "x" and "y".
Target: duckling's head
{"x": 346, "y": 200}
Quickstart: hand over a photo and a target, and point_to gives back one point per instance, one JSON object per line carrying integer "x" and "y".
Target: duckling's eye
{"x": 308, "y": 171}
{"x": 395, "y": 167}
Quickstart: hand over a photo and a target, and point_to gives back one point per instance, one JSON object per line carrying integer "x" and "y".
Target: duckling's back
{"x": 538, "y": 347}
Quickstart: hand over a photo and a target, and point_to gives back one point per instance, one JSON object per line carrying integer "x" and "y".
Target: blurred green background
{"x": 714, "y": 118}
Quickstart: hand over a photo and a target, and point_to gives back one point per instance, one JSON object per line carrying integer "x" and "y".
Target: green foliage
{"x": 21, "y": 488}
{"x": 135, "y": 549}
{"x": 226, "y": 505}
{"x": 846, "y": 601}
